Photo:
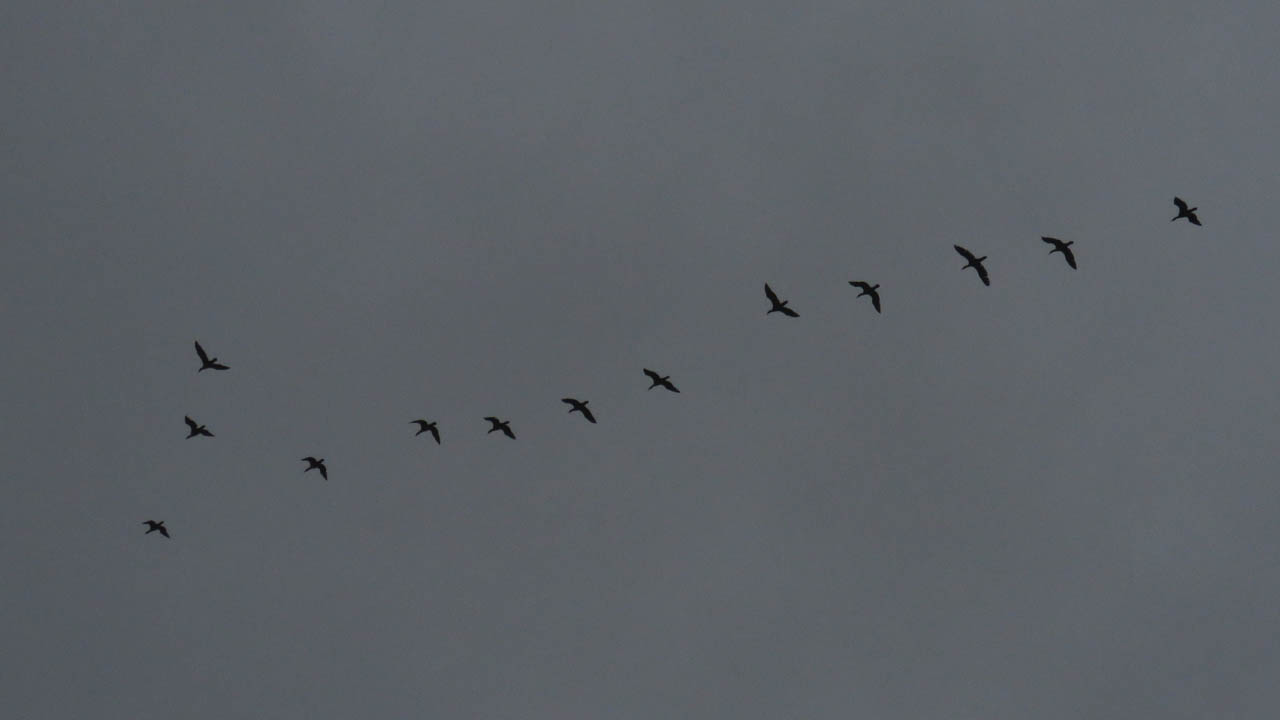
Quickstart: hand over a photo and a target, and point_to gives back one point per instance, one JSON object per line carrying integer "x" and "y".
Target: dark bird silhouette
{"x": 206, "y": 362}
{"x": 663, "y": 380}
{"x": 778, "y": 306}
{"x": 196, "y": 429}
{"x": 975, "y": 263}
{"x": 504, "y": 426}
{"x": 154, "y": 525}
{"x": 1185, "y": 212}
{"x": 1062, "y": 247}
{"x": 579, "y": 406}
{"x": 314, "y": 464}
{"x": 868, "y": 289}
{"x": 424, "y": 426}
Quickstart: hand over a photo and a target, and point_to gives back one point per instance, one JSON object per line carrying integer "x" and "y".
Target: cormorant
{"x": 206, "y": 362}
{"x": 1185, "y": 212}
{"x": 154, "y": 525}
{"x": 314, "y": 464}
{"x": 663, "y": 380}
{"x": 778, "y": 306}
{"x": 975, "y": 263}
{"x": 1062, "y": 247}
{"x": 868, "y": 289}
{"x": 196, "y": 429}
{"x": 579, "y": 406}
{"x": 424, "y": 426}
{"x": 504, "y": 426}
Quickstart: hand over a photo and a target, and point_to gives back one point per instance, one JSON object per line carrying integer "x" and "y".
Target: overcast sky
{"x": 1055, "y": 497}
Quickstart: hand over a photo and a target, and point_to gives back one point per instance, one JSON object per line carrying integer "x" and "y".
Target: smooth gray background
{"x": 1055, "y": 497}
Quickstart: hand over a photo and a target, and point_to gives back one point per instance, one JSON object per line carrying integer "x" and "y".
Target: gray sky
{"x": 1054, "y": 497}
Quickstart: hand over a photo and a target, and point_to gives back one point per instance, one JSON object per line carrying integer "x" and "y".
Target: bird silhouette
{"x": 206, "y": 362}
{"x": 196, "y": 429}
{"x": 1185, "y": 212}
{"x": 868, "y": 289}
{"x": 975, "y": 263}
{"x": 154, "y": 525}
{"x": 314, "y": 464}
{"x": 778, "y": 306}
{"x": 579, "y": 406}
{"x": 663, "y": 380}
{"x": 424, "y": 426}
{"x": 1062, "y": 247}
{"x": 504, "y": 426}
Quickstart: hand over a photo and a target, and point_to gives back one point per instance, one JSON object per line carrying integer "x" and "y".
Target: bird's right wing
{"x": 204, "y": 357}
{"x": 875, "y": 300}
{"x": 1052, "y": 241}
{"x": 190, "y": 423}
{"x": 587, "y": 412}
{"x": 670, "y": 386}
{"x": 965, "y": 253}
{"x": 982, "y": 273}
{"x": 768, "y": 292}
{"x": 861, "y": 285}
{"x": 435, "y": 434}
{"x": 653, "y": 375}
{"x": 1182, "y": 204}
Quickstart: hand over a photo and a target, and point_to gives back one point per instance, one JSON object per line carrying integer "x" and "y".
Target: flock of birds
{"x": 777, "y": 305}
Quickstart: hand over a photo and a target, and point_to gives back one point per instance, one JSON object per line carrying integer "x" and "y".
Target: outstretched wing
{"x": 435, "y": 433}
{"x": 1191, "y": 217}
{"x": 1071, "y": 257}
{"x": 982, "y": 273}
{"x": 875, "y": 300}
{"x": 769, "y": 293}
{"x": 507, "y": 429}
{"x": 324, "y": 472}
{"x": 569, "y": 401}
{"x": 204, "y": 357}
{"x": 653, "y": 375}
{"x": 496, "y": 422}
{"x": 1182, "y": 204}
{"x": 864, "y": 286}
{"x": 965, "y": 253}
{"x": 309, "y": 459}
{"x": 190, "y": 423}
{"x": 163, "y": 531}
{"x": 667, "y": 384}
{"x": 1052, "y": 241}
{"x": 587, "y": 413}
{"x": 788, "y": 312}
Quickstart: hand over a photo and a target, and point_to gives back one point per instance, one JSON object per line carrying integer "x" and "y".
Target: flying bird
{"x": 868, "y": 289}
{"x": 663, "y": 380}
{"x": 424, "y": 426}
{"x": 504, "y": 426}
{"x": 579, "y": 406}
{"x": 975, "y": 263}
{"x": 314, "y": 464}
{"x": 1185, "y": 212}
{"x": 154, "y": 525}
{"x": 778, "y": 306}
{"x": 206, "y": 362}
{"x": 1062, "y": 247}
{"x": 196, "y": 429}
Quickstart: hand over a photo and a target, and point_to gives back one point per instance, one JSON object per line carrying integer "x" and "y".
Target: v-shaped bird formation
{"x": 656, "y": 380}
